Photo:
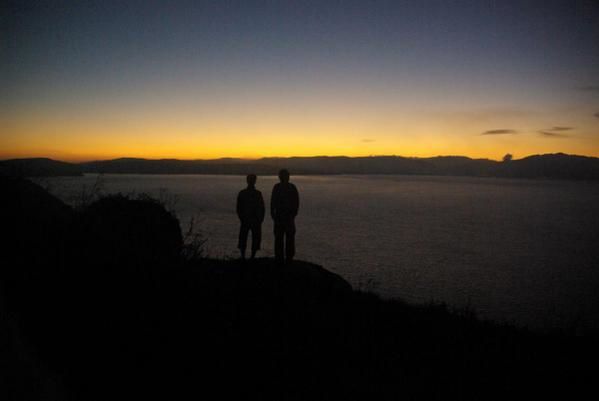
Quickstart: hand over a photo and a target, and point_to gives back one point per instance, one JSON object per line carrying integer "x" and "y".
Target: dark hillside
{"x": 556, "y": 165}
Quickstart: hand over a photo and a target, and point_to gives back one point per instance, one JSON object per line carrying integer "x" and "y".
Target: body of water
{"x": 522, "y": 251}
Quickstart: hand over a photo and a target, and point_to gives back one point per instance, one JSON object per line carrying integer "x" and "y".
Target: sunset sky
{"x": 207, "y": 79}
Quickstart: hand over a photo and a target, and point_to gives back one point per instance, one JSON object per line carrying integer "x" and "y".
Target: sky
{"x": 85, "y": 80}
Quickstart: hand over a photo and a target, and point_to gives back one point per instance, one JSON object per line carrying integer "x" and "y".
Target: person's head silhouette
{"x": 251, "y": 180}
{"x": 284, "y": 176}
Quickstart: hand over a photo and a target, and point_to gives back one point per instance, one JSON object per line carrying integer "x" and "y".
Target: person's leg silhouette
{"x": 290, "y": 241}
{"x": 279, "y": 242}
{"x": 256, "y": 239}
{"x": 243, "y": 237}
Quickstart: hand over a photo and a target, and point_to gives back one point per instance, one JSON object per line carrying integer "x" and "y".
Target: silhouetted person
{"x": 284, "y": 204}
{"x": 250, "y": 209}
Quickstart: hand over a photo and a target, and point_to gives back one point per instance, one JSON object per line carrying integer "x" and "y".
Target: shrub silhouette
{"x": 118, "y": 231}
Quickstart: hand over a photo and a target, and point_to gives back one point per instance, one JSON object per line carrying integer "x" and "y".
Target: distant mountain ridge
{"x": 39, "y": 167}
{"x": 557, "y": 165}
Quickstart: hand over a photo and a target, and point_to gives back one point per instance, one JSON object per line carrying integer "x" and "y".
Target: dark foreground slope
{"x": 98, "y": 304}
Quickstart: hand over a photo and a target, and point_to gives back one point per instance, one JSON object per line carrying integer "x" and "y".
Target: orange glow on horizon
{"x": 90, "y": 153}
{"x": 85, "y": 137}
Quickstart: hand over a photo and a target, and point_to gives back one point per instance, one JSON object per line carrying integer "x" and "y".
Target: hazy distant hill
{"x": 174, "y": 166}
{"x": 557, "y": 165}
{"x": 39, "y": 167}
{"x": 540, "y": 166}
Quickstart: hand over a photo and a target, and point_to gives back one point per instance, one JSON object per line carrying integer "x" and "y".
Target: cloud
{"x": 368, "y": 140}
{"x": 500, "y": 132}
{"x": 596, "y": 114}
{"x": 548, "y": 134}
{"x": 560, "y": 129}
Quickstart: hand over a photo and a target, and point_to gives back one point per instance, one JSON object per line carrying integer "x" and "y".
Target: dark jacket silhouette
{"x": 284, "y": 205}
{"x": 250, "y": 206}
{"x": 250, "y": 210}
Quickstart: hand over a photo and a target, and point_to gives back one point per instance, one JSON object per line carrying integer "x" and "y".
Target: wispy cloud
{"x": 368, "y": 140}
{"x": 549, "y": 134}
{"x": 560, "y": 129}
{"x": 500, "y": 132}
{"x": 596, "y": 114}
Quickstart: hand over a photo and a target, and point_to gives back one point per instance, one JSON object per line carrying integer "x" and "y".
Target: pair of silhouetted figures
{"x": 284, "y": 204}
